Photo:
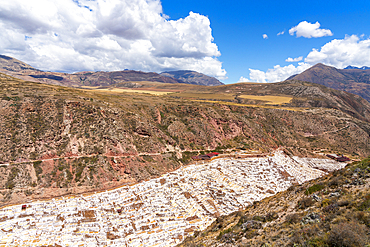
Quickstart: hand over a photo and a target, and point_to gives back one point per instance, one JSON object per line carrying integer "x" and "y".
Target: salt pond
{"x": 159, "y": 212}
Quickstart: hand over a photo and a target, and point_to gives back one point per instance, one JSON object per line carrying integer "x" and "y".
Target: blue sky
{"x": 238, "y": 27}
{"x": 234, "y": 41}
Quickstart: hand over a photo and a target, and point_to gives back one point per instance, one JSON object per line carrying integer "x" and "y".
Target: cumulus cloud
{"x": 309, "y": 30}
{"x": 297, "y": 59}
{"x": 352, "y": 50}
{"x": 276, "y": 74}
{"x": 281, "y": 33}
{"x": 265, "y": 36}
{"x": 74, "y": 35}
{"x": 243, "y": 79}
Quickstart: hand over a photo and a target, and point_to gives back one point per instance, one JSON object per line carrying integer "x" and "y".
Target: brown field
{"x": 214, "y": 96}
{"x": 127, "y": 90}
{"x": 251, "y": 105}
{"x": 270, "y": 99}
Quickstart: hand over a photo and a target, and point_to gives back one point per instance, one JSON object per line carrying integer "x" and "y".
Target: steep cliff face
{"x": 88, "y": 140}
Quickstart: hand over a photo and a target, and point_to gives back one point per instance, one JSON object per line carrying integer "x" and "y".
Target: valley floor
{"x": 161, "y": 211}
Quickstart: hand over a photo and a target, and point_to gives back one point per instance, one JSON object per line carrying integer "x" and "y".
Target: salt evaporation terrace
{"x": 159, "y": 212}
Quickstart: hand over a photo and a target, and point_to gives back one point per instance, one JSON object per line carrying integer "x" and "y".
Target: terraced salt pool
{"x": 159, "y": 212}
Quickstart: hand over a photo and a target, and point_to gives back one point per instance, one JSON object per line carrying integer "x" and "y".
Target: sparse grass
{"x": 314, "y": 188}
{"x": 349, "y": 234}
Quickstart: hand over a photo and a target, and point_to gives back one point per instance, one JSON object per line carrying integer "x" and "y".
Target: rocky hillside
{"x": 14, "y": 65}
{"x": 54, "y": 139}
{"x": 356, "y": 81}
{"x": 305, "y": 94}
{"x": 329, "y": 211}
{"x": 193, "y": 77}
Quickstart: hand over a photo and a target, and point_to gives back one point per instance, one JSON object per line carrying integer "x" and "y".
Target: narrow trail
{"x": 104, "y": 155}
{"x": 326, "y": 132}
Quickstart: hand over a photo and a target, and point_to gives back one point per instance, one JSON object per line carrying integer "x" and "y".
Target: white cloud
{"x": 352, "y": 50}
{"x": 297, "y": 59}
{"x": 107, "y": 35}
{"x": 265, "y": 36}
{"x": 309, "y": 30}
{"x": 281, "y": 33}
{"x": 243, "y": 79}
{"x": 276, "y": 74}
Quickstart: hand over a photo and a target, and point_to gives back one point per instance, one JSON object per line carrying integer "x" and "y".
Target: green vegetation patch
{"x": 365, "y": 205}
{"x": 186, "y": 156}
{"x": 364, "y": 164}
{"x": 38, "y": 168}
{"x": 10, "y": 184}
{"x": 314, "y": 188}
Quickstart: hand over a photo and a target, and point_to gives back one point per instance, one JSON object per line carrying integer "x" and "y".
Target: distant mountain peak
{"x": 353, "y": 67}
{"x": 321, "y": 65}
{"x": 192, "y": 77}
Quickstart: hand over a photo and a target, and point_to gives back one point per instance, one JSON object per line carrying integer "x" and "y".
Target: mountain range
{"x": 22, "y": 70}
{"x": 354, "y": 67}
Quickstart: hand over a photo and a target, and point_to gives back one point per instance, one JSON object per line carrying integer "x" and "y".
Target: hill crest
{"x": 356, "y": 81}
